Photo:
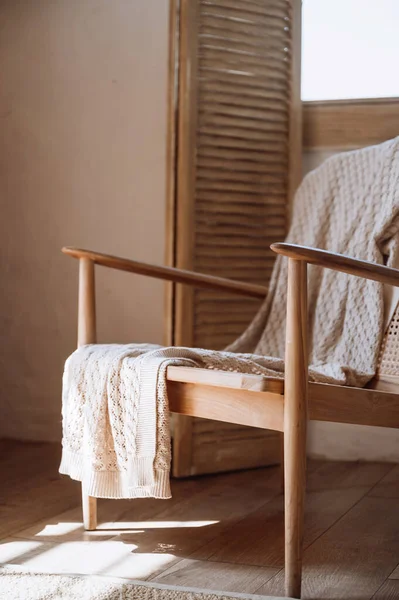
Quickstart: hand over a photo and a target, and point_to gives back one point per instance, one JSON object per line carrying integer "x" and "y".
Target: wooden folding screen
{"x": 234, "y": 162}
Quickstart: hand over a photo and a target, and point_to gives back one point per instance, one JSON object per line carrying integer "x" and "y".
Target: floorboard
{"x": 216, "y": 576}
{"x": 388, "y": 591}
{"x": 388, "y": 487}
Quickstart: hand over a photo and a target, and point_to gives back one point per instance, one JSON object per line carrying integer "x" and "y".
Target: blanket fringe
{"x": 113, "y": 484}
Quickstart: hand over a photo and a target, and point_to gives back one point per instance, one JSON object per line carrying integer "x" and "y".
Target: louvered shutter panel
{"x": 237, "y": 162}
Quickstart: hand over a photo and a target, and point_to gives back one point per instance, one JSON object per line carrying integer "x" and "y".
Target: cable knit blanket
{"x": 116, "y": 434}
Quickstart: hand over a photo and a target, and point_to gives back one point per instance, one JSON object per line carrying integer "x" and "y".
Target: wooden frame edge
{"x": 183, "y": 246}
{"x": 170, "y": 211}
{"x": 348, "y": 124}
{"x": 296, "y": 123}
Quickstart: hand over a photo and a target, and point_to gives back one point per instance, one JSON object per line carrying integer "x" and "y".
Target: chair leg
{"x": 87, "y": 335}
{"x": 295, "y": 421}
{"x": 282, "y": 470}
{"x": 294, "y": 504}
{"x": 89, "y": 507}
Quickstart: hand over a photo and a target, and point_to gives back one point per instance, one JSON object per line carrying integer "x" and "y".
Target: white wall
{"x": 82, "y": 162}
{"x": 338, "y": 441}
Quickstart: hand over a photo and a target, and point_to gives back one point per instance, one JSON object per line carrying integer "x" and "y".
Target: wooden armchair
{"x": 259, "y": 401}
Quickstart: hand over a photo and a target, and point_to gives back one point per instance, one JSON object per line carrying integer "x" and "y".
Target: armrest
{"x": 339, "y": 262}
{"x": 169, "y": 273}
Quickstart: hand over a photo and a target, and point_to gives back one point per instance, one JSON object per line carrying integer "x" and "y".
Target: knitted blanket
{"x": 116, "y": 434}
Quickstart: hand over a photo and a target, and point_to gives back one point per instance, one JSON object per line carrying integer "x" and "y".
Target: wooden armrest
{"x": 169, "y": 273}
{"x": 339, "y": 262}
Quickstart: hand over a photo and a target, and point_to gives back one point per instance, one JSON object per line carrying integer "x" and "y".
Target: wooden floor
{"x": 222, "y": 532}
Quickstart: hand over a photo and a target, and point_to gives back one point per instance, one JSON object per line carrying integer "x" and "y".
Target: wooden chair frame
{"x": 254, "y": 400}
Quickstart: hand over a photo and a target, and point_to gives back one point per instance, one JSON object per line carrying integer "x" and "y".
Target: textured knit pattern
{"x": 116, "y": 436}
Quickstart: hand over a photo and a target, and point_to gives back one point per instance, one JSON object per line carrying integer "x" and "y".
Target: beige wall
{"x": 82, "y": 162}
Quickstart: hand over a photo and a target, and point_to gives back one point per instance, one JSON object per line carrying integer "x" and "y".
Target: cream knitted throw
{"x": 116, "y": 436}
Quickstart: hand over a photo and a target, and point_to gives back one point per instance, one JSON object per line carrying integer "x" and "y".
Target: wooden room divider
{"x": 234, "y": 162}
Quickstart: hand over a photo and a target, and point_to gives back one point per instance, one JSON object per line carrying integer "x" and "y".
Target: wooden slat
{"x": 348, "y": 124}
{"x": 250, "y": 7}
{"x": 245, "y": 83}
{"x": 226, "y": 59}
{"x": 234, "y": 202}
{"x": 222, "y": 142}
{"x": 216, "y": 309}
{"x": 224, "y": 233}
{"x": 255, "y": 409}
{"x": 223, "y": 163}
{"x": 227, "y": 231}
{"x": 264, "y": 271}
{"x": 224, "y": 379}
{"x": 259, "y": 95}
{"x": 229, "y": 249}
{"x": 257, "y": 31}
{"x": 232, "y": 175}
{"x": 243, "y": 80}
{"x": 260, "y": 116}
{"x": 353, "y": 405}
{"x": 242, "y": 43}
{"x": 219, "y": 307}
{"x": 278, "y": 222}
{"x": 241, "y": 12}
{"x": 225, "y": 185}
{"x": 246, "y": 274}
{"x": 270, "y": 48}
{"x": 205, "y": 209}
{"x": 224, "y": 298}
{"x": 223, "y": 127}
{"x": 239, "y": 321}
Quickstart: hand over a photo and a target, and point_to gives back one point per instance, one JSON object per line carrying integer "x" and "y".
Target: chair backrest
{"x": 387, "y": 377}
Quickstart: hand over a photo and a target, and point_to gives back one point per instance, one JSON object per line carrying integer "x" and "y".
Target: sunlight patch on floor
{"x": 11, "y": 550}
{"x": 59, "y": 529}
{"x": 114, "y": 558}
{"x": 62, "y": 529}
{"x": 156, "y": 524}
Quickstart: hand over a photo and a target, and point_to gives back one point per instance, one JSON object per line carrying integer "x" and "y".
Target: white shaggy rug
{"x": 18, "y": 584}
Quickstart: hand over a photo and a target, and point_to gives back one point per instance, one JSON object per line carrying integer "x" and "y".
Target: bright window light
{"x": 350, "y": 49}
